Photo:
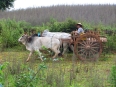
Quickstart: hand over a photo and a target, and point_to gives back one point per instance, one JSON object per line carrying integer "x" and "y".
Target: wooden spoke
{"x": 92, "y": 53}
{"x": 89, "y": 55}
{"x": 86, "y": 54}
{"x": 94, "y": 50}
{"x": 94, "y": 44}
{"x": 94, "y": 47}
{"x": 80, "y": 47}
{"x": 82, "y": 44}
{"x": 81, "y": 50}
{"x": 91, "y": 42}
{"x": 82, "y": 53}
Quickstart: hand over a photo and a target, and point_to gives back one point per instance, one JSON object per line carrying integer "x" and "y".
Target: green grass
{"x": 63, "y": 73}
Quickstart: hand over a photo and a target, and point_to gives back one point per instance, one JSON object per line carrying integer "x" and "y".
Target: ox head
{"x": 23, "y": 39}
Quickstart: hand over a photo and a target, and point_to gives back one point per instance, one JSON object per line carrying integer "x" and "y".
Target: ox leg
{"x": 65, "y": 46}
{"x": 72, "y": 47}
{"x": 39, "y": 55}
{"x": 56, "y": 51}
{"x": 29, "y": 56}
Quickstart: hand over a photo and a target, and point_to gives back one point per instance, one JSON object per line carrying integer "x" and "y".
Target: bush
{"x": 66, "y": 26}
{"x": 30, "y": 78}
{"x": 113, "y": 76}
{"x": 2, "y": 75}
{"x": 111, "y": 44}
{"x": 10, "y": 30}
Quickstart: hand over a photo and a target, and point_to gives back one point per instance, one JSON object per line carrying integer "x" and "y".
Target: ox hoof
{"x": 27, "y": 60}
{"x": 44, "y": 59}
{"x": 55, "y": 59}
{"x": 60, "y": 54}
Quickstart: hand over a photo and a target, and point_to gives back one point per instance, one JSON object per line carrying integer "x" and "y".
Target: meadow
{"x": 63, "y": 73}
{"x": 68, "y": 71}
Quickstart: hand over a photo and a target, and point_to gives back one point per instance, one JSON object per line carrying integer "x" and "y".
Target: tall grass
{"x": 55, "y": 74}
{"x": 113, "y": 75}
{"x": 10, "y": 31}
{"x": 62, "y": 73}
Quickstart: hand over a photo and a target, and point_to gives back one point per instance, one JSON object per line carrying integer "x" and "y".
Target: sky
{"x": 19, "y": 4}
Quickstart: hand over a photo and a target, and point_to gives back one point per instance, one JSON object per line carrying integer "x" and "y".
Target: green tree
{"x": 6, "y": 4}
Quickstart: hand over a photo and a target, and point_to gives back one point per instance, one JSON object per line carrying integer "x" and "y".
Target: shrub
{"x": 29, "y": 79}
{"x": 10, "y": 30}
{"x": 111, "y": 44}
{"x": 113, "y": 76}
{"x": 66, "y": 26}
{"x": 2, "y": 79}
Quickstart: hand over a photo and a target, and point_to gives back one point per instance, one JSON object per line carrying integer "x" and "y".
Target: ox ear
{"x": 25, "y": 33}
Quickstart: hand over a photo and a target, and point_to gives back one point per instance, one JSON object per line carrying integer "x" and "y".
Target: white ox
{"x": 60, "y": 36}
{"x": 36, "y": 44}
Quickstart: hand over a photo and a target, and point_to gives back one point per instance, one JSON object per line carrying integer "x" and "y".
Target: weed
{"x": 2, "y": 75}
{"x": 113, "y": 76}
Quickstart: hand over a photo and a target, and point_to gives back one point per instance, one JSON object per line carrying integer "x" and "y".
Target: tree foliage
{"x": 66, "y": 26}
{"x": 93, "y": 14}
{"x": 6, "y": 4}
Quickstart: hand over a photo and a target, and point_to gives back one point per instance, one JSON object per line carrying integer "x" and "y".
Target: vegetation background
{"x": 65, "y": 73}
{"x": 95, "y": 14}
{"x": 58, "y": 18}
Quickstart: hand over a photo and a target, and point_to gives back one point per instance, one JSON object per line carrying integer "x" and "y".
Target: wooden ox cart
{"x": 87, "y": 46}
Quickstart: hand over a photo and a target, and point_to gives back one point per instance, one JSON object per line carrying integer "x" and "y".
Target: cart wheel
{"x": 88, "y": 47}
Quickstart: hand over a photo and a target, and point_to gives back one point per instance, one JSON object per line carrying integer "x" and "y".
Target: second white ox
{"x": 36, "y": 44}
{"x": 58, "y": 35}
